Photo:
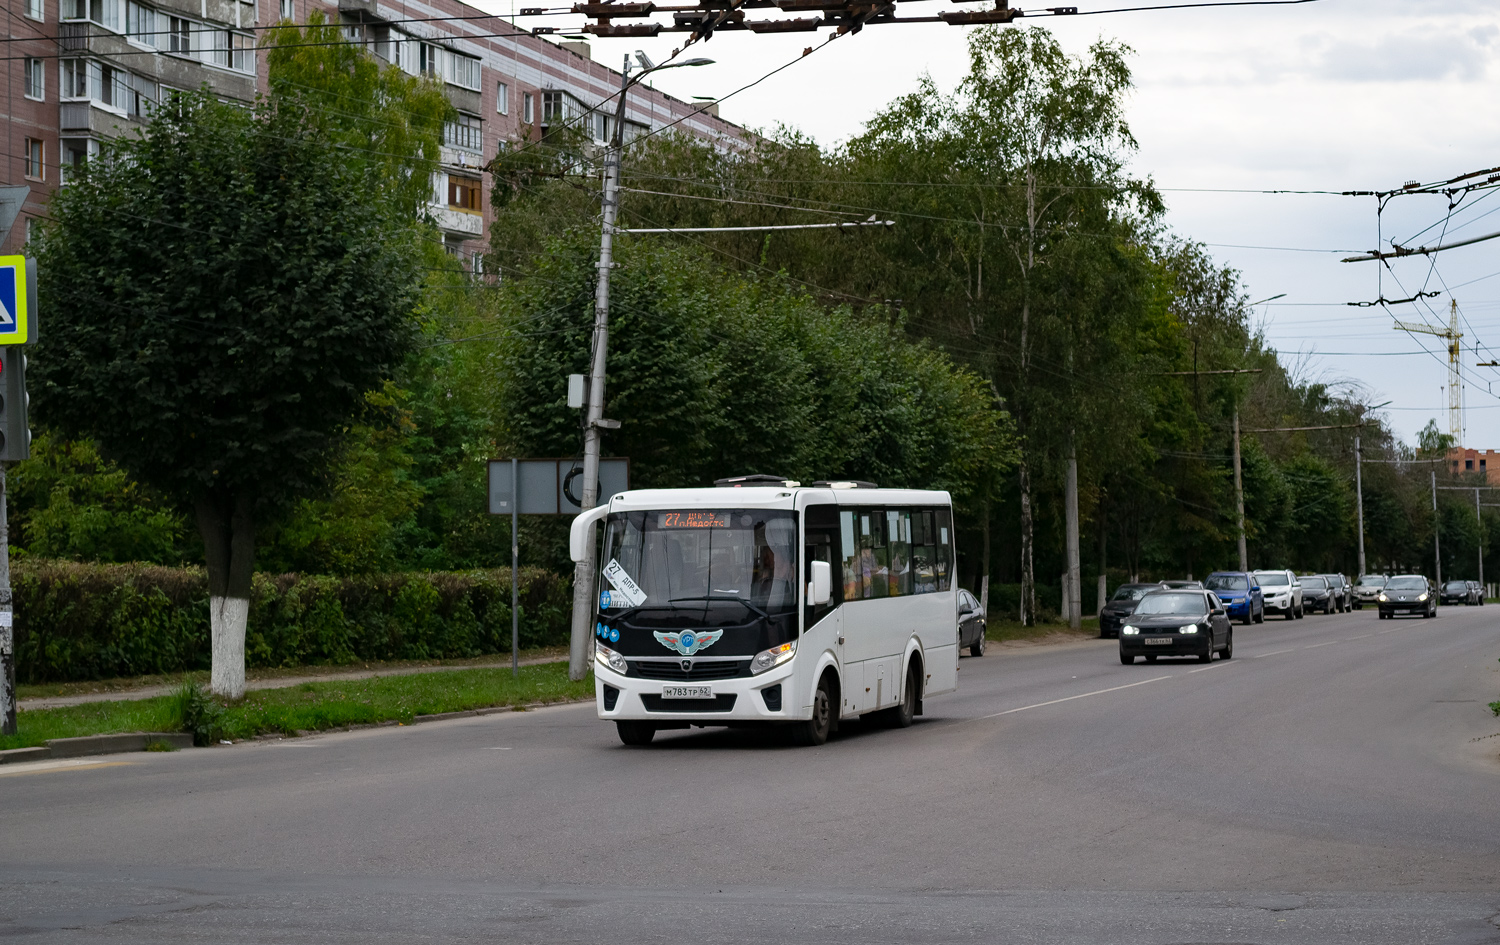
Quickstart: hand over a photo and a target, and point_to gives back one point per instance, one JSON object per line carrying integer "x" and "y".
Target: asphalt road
{"x": 1333, "y": 783}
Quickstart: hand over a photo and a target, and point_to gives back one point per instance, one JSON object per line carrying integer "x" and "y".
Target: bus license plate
{"x": 1157, "y": 641}
{"x": 687, "y": 692}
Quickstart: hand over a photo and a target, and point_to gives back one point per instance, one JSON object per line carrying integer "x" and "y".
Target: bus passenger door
{"x": 823, "y": 625}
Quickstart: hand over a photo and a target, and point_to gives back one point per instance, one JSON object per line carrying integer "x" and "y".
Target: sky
{"x": 1325, "y": 95}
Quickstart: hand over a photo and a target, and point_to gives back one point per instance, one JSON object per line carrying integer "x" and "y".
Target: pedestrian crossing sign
{"x": 15, "y": 321}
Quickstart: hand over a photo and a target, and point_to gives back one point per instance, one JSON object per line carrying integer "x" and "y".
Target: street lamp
{"x": 594, "y": 422}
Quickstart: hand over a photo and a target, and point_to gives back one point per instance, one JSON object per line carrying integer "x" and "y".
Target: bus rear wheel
{"x": 901, "y": 716}
{"x": 815, "y": 730}
{"x": 634, "y": 732}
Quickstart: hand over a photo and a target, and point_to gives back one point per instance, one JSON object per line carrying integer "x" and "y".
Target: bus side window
{"x": 875, "y": 561}
{"x": 898, "y": 528}
{"x": 821, "y": 542}
{"x": 944, "y": 549}
{"x": 852, "y": 587}
{"x": 923, "y": 552}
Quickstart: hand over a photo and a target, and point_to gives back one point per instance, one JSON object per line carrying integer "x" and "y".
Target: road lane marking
{"x": 1314, "y": 646}
{"x": 49, "y": 767}
{"x": 1261, "y": 656}
{"x": 1082, "y": 695}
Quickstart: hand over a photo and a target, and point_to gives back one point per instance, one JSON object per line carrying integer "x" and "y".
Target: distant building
{"x": 82, "y": 71}
{"x": 1473, "y": 461}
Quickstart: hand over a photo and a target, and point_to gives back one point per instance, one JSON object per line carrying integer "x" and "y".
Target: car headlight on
{"x": 1422, "y": 597}
{"x": 610, "y": 658}
{"x": 1190, "y": 628}
{"x": 1130, "y": 631}
{"x": 770, "y": 659}
{"x": 1381, "y": 597}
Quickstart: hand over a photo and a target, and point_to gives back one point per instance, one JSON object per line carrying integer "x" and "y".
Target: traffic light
{"x": 15, "y": 435}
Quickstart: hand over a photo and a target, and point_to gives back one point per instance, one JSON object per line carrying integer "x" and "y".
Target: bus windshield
{"x": 729, "y": 565}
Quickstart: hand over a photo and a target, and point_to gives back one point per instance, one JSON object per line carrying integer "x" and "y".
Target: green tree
{"x": 389, "y": 124}
{"x": 224, "y": 291}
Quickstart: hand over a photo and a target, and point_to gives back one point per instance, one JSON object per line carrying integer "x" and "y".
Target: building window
{"x": 477, "y": 261}
{"x": 34, "y": 10}
{"x": 502, "y": 98}
{"x": 528, "y": 108}
{"x": 463, "y": 193}
{"x": 179, "y": 35}
{"x": 559, "y": 108}
{"x": 1468, "y": 464}
{"x": 466, "y": 134}
{"x": 35, "y": 82}
{"x": 1481, "y": 463}
{"x": 30, "y": 229}
{"x": 104, "y": 12}
{"x": 289, "y": 10}
{"x": 34, "y": 167}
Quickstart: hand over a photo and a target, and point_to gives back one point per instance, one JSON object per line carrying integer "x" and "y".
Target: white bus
{"x": 761, "y": 601}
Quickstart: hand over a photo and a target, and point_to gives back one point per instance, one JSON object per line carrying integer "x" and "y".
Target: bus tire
{"x": 634, "y": 732}
{"x": 901, "y": 715}
{"x": 815, "y": 730}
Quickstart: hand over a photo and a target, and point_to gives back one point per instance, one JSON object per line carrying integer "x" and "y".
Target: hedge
{"x": 95, "y": 621}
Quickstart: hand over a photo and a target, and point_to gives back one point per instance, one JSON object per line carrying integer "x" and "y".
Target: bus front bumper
{"x": 768, "y": 697}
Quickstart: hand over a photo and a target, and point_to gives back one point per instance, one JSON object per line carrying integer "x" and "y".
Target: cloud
{"x": 1406, "y": 57}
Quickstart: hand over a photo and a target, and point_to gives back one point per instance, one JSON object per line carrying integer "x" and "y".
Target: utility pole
{"x": 1479, "y": 517}
{"x": 1359, "y": 502}
{"x": 1239, "y": 495}
{"x": 1437, "y": 550}
{"x": 1074, "y": 590}
{"x": 594, "y": 422}
{"x": 7, "y": 629}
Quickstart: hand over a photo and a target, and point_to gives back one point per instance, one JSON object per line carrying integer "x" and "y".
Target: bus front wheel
{"x": 635, "y": 733}
{"x": 815, "y": 730}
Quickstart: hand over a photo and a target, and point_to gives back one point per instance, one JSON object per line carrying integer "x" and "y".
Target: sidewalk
{"x": 325, "y": 674}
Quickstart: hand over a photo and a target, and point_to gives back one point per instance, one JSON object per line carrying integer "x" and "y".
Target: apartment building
{"x": 83, "y": 71}
{"x": 1470, "y": 462}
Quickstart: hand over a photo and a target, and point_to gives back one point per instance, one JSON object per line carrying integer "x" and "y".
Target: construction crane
{"x": 1455, "y": 379}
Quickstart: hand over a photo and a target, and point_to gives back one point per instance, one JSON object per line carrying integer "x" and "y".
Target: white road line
{"x": 1314, "y": 646}
{"x": 1082, "y": 695}
{"x": 47, "y": 767}
{"x": 1262, "y": 656}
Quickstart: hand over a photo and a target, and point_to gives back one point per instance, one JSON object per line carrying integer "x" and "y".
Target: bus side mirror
{"x": 820, "y": 588}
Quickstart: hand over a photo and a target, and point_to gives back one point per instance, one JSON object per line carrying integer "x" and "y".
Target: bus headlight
{"x": 610, "y": 658}
{"x": 772, "y": 658}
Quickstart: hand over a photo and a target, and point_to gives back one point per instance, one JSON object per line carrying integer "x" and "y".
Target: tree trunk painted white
{"x": 227, "y": 616}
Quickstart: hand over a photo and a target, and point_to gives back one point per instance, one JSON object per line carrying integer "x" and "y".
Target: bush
{"x": 95, "y": 621}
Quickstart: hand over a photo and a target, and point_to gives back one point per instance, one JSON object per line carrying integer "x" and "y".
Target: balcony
{"x": 460, "y": 222}
{"x": 464, "y": 137}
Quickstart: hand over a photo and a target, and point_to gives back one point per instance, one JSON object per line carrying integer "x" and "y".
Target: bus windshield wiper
{"x": 737, "y": 599}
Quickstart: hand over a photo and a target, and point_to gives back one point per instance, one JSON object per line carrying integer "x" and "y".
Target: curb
{"x": 95, "y": 745}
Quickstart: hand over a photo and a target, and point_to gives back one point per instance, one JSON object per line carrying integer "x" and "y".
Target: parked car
{"x": 1122, "y": 605}
{"x": 1282, "y": 592}
{"x": 1456, "y": 592}
{"x": 1478, "y": 592}
{"x": 1177, "y": 623}
{"x": 1183, "y": 585}
{"x": 1242, "y": 597}
{"x": 1407, "y": 594}
{"x": 971, "y": 619}
{"x": 1340, "y": 591}
{"x": 1317, "y": 596}
{"x": 1367, "y": 588}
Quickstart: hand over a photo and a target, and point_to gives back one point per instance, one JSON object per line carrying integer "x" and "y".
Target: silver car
{"x": 1367, "y": 588}
{"x": 1283, "y": 593}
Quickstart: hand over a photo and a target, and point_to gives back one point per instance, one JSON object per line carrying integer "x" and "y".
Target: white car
{"x": 1282, "y": 591}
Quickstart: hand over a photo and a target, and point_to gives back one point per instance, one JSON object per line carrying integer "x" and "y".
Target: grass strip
{"x": 1000, "y": 631}
{"x": 307, "y": 707}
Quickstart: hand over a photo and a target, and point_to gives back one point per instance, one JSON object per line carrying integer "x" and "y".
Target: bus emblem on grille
{"x": 687, "y": 666}
{"x": 688, "y": 642}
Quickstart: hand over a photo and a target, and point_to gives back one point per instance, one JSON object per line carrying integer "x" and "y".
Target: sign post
{"x": 17, "y": 328}
{"x": 541, "y": 487}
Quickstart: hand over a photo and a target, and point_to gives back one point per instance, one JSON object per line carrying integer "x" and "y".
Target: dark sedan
{"x": 1317, "y": 595}
{"x": 1458, "y": 592}
{"x": 1177, "y": 623}
{"x": 1407, "y": 594}
{"x": 1122, "y": 605}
